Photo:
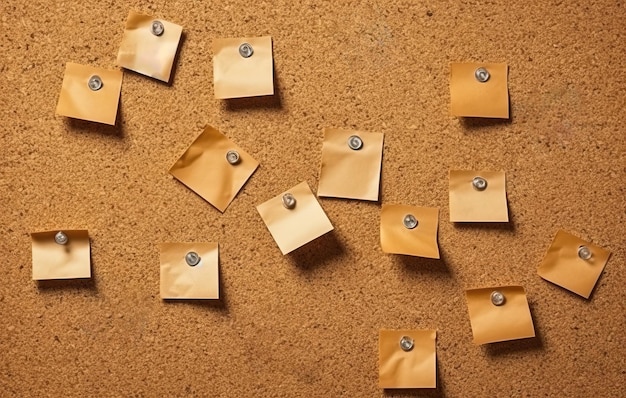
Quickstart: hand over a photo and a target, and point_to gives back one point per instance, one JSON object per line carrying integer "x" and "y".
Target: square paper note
{"x": 407, "y": 359}
{"x": 294, "y": 218}
{"x": 215, "y": 168}
{"x": 573, "y": 263}
{"x": 479, "y": 90}
{"x": 499, "y": 314}
{"x": 189, "y": 271}
{"x": 351, "y": 162}
{"x": 478, "y": 196}
{"x": 149, "y": 46}
{"x": 90, "y": 93}
{"x": 409, "y": 230}
{"x": 243, "y": 67}
{"x": 61, "y": 255}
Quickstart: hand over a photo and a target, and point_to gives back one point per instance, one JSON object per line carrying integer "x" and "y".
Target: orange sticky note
{"x": 407, "y": 359}
{"x": 149, "y": 46}
{"x": 243, "y": 67}
{"x": 62, "y": 254}
{"x": 573, "y": 263}
{"x": 189, "y": 271}
{"x": 479, "y": 90}
{"x": 409, "y": 230}
{"x": 499, "y": 314}
{"x": 90, "y": 93}
{"x": 294, "y": 218}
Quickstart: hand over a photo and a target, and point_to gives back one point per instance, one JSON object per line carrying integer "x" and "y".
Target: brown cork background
{"x": 306, "y": 324}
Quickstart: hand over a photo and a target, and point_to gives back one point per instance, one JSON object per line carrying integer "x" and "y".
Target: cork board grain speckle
{"x": 306, "y": 324}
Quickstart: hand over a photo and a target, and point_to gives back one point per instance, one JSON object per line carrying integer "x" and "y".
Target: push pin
{"x": 245, "y": 50}
{"x": 497, "y": 298}
{"x": 95, "y": 83}
{"x": 61, "y": 238}
{"x": 410, "y": 221}
{"x": 584, "y": 252}
{"x": 355, "y": 142}
{"x": 157, "y": 28}
{"x": 482, "y": 75}
{"x": 289, "y": 201}
{"x": 479, "y": 183}
{"x": 406, "y": 343}
{"x": 192, "y": 259}
{"x": 233, "y": 157}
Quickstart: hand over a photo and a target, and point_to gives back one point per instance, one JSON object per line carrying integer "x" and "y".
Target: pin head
{"x": 157, "y": 28}
{"x": 479, "y": 183}
{"x": 482, "y": 75}
{"x": 497, "y": 298}
{"x": 61, "y": 238}
{"x": 410, "y": 221}
{"x": 245, "y": 50}
{"x": 584, "y": 252}
{"x": 406, "y": 343}
{"x": 95, "y": 83}
{"x": 289, "y": 201}
{"x": 355, "y": 142}
{"x": 233, "y": 157}
{"x": 192, "y": 259}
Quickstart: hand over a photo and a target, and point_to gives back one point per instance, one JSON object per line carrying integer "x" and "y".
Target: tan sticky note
{"x": 208, "y": 169}
{"x": 472, "y": 202}
{"x": 409, "y": 230}
{"x": 573, "y": 263}
{"x": 491, "y": 323}
{"x": 190, "y": 271}
{"x": 90, "y": 93}
{"x": 243, "y": 67}
{"x": 407, "y": 359}
{"x": 351, "y": 162}
{"x": 149, "y": 46}
{"x": 471, "y": 97}
{"x": 61, "y": 255}
{"x": 293, "y": 227}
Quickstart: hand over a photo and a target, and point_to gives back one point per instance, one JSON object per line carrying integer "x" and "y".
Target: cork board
{"x": 307, "y": 324}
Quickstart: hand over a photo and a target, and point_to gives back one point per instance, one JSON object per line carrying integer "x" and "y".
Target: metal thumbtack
{"x": 497, "y": 298}
{"x": 245, "y": 50}
{"x": 60, "y": 238}
{"x": 482, "y": 75}
{"x": 157, "y": 28}
{"x": 192, "y": 259}
{"x": 479, "y": 183}
{"x": 232, "y": 157}
{"x": 410, "y": 221}
{"x": 584, "y": 252}
{"x": 355, "y": 142}
{"x": 95, "y": 83}
{"x": 289, "y": 201}
{"x": 406, "y": 343}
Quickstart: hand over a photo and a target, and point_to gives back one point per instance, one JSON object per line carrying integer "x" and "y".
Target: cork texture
{"x": 307, "y": 324}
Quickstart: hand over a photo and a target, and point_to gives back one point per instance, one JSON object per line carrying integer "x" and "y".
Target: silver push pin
{"x": 406, "y": 343}
{"x": 497, "y": 298}
{"x": 410, "y": 221}
{"x": 289, "y": 201}
{"x": 95, "y": 83}
{"x": 355, "y": 142}
{"x": 245, "y": 50}
{"x": 233, "y": 157}
{"x": 584, "y": 252}
{"x": 157, "y": 28}
{"x": 479, "y": 183}
{"x": 60, "y": 238}
{"x": 192, "y": 259}
{"x": 482, "y": 75}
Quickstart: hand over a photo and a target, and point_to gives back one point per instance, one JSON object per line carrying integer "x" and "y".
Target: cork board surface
{"x": 306, "y": 324}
